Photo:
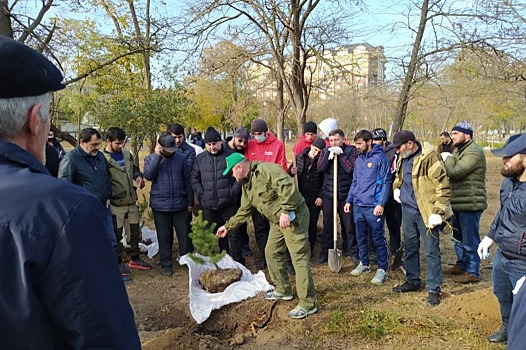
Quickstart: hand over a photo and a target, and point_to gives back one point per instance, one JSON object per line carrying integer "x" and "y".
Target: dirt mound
{"x": 478, "y": 309}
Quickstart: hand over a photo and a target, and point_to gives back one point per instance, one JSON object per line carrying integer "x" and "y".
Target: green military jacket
{"x": 122, "y": 189}
{"x": 269, "y": 190}
{"x": 467, "y": 173}
{"x": 430, "y": 183}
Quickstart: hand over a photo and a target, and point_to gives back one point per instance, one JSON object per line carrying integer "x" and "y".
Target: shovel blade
{"x": 335, "y": 260}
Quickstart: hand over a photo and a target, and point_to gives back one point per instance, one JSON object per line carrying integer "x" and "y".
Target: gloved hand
{"x": 396, "y": 195}
{"x": 483, "y": 250}
{"x": 444, "y": 155}
{"x": 434, "y": 220}
{"x": 334, "y": 151}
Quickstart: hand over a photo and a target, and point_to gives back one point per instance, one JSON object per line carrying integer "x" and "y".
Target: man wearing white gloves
{"x": 508, "y": 230}
{"x": 422, "y": 186}
{"x": 346, "y": 156}
{"x": 466, "y": 169}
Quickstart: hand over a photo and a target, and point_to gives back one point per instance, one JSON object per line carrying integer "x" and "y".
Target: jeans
{"x": 466, "y": 224}
{"x": 506, "y": 272}
{"x": 165, "y": 222}
{"x": 414, "y": 228}
{"x": 365, "y": 221}
{"x": 349, "y": 246}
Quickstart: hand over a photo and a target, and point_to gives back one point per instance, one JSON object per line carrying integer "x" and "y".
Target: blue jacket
{"x": 371, "y": 182}
{"x": 508, "y": 228}
{"x": 171, "y": 187}
{"x": 88, "y": 172}
{"x": 60, "y": 284}
{"x": 213, "y": 189}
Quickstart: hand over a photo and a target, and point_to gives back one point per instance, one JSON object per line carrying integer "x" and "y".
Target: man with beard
{"x": 422, "y": 186}
{"x": 238, "y": 143}
{"x": 508, "y": 231}
{"x": 217, "y": 193}
{"x": 368, "y": 195}
{"x": 466, "y": 170}
{"x": 124, "y": 174}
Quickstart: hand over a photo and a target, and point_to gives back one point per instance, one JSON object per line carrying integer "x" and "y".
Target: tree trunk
{"x": 409, "y": 80}
{"x": 5, "y": 20}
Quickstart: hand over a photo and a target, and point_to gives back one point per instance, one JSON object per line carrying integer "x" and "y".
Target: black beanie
{"x": 319, "y": 143}
{"x": 259, "y": 125}
{"x": 310, "y": 127}
{"x": 211, "y": 135}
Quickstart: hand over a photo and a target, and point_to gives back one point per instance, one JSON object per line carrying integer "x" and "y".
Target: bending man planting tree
{"x": 271, "y": 191}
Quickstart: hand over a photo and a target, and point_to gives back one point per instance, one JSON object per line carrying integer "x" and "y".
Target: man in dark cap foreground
{"x": 61, "y": 288}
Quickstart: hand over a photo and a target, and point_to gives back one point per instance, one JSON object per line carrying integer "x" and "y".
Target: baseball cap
{"x": 516, "y": 144}
{"x": 168, "y": 143}
{"x": 232, "y": 160}
{"x": 402, "y": 137}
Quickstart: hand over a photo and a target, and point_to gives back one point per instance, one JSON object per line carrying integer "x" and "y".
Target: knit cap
{"x": 259, "y": 125}
{"x": 211, "y": 135}
{"x": 310, "y": 127}
{"x": 465, "y": 127}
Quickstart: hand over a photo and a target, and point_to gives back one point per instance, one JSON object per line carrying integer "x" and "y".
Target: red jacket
{"x": 271, "y": 150}
{"x": 301, "y": 145}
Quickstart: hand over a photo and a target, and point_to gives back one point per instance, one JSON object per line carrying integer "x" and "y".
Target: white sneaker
{"x": 361, "y": 269}
{"x": 379, "y": 277}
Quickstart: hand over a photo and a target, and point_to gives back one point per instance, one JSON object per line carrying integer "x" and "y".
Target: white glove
{"x": 483, "y": 250}
{"x": 334, "y": 151}
{"x": 444, "y": 155}
{"x": 434, "y": 220}
{"x": 396, "y": 195}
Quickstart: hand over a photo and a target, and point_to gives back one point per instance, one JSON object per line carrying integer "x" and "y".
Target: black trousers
{"x": 314, "y": 212}
{"x": 393, "y": 219}
{"x": 261, "y": 230}
{"x": 220, "y": 217}
{"x": 349, "y": 246}
{"x": 165, "y": 223}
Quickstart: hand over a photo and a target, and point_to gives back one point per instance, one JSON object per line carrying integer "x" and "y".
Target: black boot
{"x": 500, "y": 336}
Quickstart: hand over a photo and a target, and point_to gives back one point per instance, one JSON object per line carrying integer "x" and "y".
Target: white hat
{"x": 328, "y": 125}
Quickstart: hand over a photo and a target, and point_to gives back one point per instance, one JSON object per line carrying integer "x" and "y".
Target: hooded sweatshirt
{"x": 271, "y": 150}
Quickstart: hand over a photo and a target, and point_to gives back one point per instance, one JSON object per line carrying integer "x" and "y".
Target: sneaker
{"x": 273, "y": 295}
{"x": 301, "y": 312}
{"x": 361, "y": 269}
{"x": 124, "y": 270}
{"x": 167, "y": 271}
{"x": 500, "y": 336}
{"x": 433, "y": 298}
{"x": 465, "y": 278}
{"x": 246, "y": 250}
{"x": 453, "y": 271}
{"x": 139, "y": 264}
{"x": 379, "y": 277}
{"x": 407, "y": 287}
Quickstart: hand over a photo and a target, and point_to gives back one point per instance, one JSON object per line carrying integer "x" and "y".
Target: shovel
{"x": 335, "y": 255}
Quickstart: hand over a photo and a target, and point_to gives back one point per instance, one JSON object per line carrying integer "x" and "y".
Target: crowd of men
{"x": 57, "y": 294}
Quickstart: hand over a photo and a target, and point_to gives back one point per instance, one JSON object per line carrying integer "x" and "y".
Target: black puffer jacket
{"x": 310, "y": 180}
{"x": 213, "y": 189}
{"x": 345, "y": 169}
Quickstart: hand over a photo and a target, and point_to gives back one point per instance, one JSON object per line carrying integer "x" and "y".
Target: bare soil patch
{"x": 354, "y": 314}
